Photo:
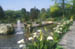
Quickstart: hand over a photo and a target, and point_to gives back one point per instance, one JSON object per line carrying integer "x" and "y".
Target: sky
{"x": 27, "y": 4}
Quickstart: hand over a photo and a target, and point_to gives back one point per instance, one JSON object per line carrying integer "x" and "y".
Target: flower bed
{"x": 39, "y": 40}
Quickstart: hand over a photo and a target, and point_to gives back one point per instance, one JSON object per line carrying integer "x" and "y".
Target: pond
{"x": 10, "y": 41}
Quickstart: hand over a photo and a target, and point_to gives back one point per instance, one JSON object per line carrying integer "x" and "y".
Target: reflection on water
{"x": 11, "y": 40}
{"x": 6, "y": 36}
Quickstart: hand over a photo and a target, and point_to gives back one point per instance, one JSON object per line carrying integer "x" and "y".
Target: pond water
{"x": 10, "y": 41}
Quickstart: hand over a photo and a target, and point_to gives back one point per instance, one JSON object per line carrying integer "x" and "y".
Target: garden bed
{"x": 48, "y": 40}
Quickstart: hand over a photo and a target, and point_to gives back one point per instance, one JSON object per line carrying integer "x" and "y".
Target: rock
{"x": 6, "y": 28}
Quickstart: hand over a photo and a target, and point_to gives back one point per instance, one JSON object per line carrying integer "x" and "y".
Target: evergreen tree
{"x": 24, "y": 14}
{"x": 34, "y": 13}
{"x": 2, "y": 15}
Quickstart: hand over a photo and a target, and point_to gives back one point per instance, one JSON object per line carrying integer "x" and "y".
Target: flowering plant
{"x": 41, "y": 41}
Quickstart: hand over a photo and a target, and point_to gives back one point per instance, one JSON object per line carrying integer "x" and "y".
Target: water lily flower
{"x": 49, "y": 38}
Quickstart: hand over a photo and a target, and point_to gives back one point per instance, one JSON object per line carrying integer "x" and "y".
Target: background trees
{"x": 2, "y": 14}
{"x": 34, "y": 13}
{"x": 61, "y": 8}
{"x": 43, "y": 14}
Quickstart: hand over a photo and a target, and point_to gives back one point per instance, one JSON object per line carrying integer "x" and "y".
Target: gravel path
{"x": 68, "y": 40}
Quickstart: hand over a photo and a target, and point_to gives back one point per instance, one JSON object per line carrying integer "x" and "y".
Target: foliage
{"x": 41, "y": 40}
{"x": 55, "y": 11}
{"x": 59, "y": 47}
{"x": 34, "y": 13}
{"x": 43, "y": 14}
{"x": 2, "y": 14}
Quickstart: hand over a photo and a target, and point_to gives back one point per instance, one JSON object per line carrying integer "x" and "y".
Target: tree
{"x": 34, "y": 13}
{"x": 43, "y": 14}
{"x": 23, "y": 10}
{"x": 10, "y": 15}
{"x": 2, "y": 14}
{"x": 63, "y": 6}
{"x": 48, "y": 13}
{"x": 73, "y": 7}
{"x": 55, "y": 11}
{"x": 55, "y": 1}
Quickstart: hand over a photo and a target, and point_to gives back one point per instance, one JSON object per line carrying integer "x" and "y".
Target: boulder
{"x": 6, "y": 29}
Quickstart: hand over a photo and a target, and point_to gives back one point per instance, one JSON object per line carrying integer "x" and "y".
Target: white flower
{"x": 21, "y": 41}
{"x": 22, "y": 45}
{"x": 49, "y": 38}
{"x": 68, "y": 22}
{"x": 59, "y": 32}
{"x": 60, "y": 28}
{"x": 38, "y": 30}
{"x": 30, "y": 38}
{"x": 56, "y": 30}
{"x": 34, "y": 34}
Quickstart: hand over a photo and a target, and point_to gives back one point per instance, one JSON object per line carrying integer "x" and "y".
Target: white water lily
{"x": 30, "y": 38}
{"x": 49, "y": 38}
